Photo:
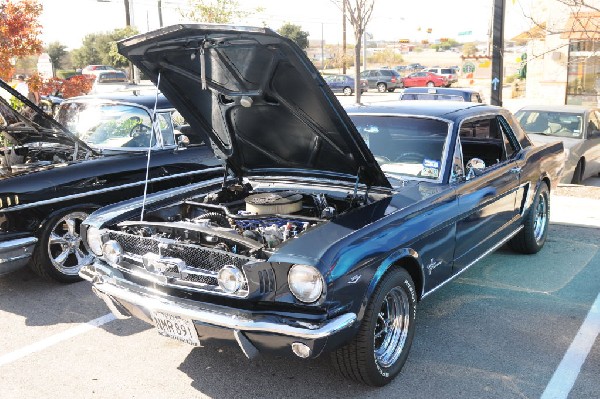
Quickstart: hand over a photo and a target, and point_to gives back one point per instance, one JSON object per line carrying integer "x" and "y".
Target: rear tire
{"x": 535, "y": 225}
{"x": 347, "y": 91}
{"x": 578, "y": 173}
{"x": 430, "y": 84}
{"x": 60, "y": 253}
{"x": 380, "y": 348}
{"x": 391, "y": 90}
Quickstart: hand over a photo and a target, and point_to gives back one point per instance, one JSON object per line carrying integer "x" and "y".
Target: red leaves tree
{"x": 19, "y": 32}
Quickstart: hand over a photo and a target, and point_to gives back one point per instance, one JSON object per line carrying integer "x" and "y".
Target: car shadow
{"x": 42, "y": 302}
{"x": 212, "y": 367}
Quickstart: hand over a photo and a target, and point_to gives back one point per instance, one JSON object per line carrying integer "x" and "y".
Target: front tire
{"x": 532, "y": 237}
{"x": 380, "y": 348}
{"x": 430, "y": 84}
{"x": 60, "y": 253}
{"x": 381, "y": 87}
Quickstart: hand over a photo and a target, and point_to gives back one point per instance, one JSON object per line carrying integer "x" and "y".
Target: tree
{"x": 358, "y": 13}
{"x": 56, "y": 52}
{"x": 19, "y": 32}
{"x": 294, "y": 33}
{"x": 469, "y": 49}
{"x": 101, "y": 48}
{"x": 216, "y": 11}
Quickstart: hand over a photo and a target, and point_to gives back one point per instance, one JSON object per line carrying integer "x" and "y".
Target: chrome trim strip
{"x": 19, "y": 242}
{"x": 111, "y": 287}
{"x": 106, "y": 190}
{"x": 492, "y": 249}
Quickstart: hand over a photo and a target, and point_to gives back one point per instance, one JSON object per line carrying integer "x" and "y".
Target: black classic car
{"x": 50, "y": 179}
{"x": 330, "y": 225}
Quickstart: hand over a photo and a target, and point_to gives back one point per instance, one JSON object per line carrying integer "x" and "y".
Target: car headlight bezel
{"x": 306, "y": 283}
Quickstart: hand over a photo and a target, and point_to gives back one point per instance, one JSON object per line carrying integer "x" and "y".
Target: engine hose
{"x": 217, "y": 218}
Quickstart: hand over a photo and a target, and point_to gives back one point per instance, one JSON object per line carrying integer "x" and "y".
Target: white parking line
{"x": 566, "y": 374}
{"x": 55, "y": 339}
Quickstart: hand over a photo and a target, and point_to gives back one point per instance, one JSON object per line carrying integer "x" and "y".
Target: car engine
{"x": 240, "y": 221}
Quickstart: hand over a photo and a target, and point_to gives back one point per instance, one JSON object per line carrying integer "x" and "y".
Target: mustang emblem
{"x": 433, "y": 264}
{"x": 354, "y": 279}
{"x": 163, "y": 265}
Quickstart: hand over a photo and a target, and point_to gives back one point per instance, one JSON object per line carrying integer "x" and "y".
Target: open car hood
{"x": 264, "y": 105}
{"x": 30, "y": 124}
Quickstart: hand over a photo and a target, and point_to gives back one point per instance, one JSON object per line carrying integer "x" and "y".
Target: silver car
{"x": 577, "y": 126}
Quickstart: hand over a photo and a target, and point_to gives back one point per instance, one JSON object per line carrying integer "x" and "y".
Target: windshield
{"x": 103, "y": 125}
{"x": 405, "y": 146}
{"x": 551, "y": 123}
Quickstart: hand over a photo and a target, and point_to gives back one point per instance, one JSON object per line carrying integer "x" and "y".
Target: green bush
{"x": 65, "y": 73}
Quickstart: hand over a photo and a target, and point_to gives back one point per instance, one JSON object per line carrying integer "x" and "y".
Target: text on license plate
{"x": 176, "y": 327}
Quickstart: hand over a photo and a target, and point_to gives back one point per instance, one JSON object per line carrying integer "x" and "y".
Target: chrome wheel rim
{"x": 65, "y": 247}
{"x": 540, "y": 219}
{"x": 391, "y": 327}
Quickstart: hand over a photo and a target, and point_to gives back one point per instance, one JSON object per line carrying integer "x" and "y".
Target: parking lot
{"x": 512, "y": 326}
{"x": 498, "y": 331}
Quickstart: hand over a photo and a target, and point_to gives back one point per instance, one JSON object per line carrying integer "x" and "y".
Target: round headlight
{"x": 306, "y": 283}
{"x": 231, "y": 279}
{"x": 113, "y": 252}
{"x": 94, "y": 240}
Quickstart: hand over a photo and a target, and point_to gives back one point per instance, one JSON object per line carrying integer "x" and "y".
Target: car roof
{"x": 146, "y": 100}
{"x": 439, "y": 90}
{"x": 558, "y": 108}
{"x": 452, "y": 110}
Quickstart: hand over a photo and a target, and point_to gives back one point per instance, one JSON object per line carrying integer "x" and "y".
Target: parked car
{"x": 449, "y": 73}
{"x": 578, "y": 127}
{"x": 382, "y": 79}
{"x": 96, "y": 69}
{"x": 50, "y": 179}
{"x": 441, "y": 93}
{"x": 323, "y": 238}
{"x": 424, "y": 79}
{"x": 344, "y": 84}
{"x": 416, "y": 66}
{"x": 109, "y": 81}
{"x": 401, "y": 68}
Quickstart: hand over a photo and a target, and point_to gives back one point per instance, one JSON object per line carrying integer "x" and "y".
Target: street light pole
{"x": 497, "y": 52}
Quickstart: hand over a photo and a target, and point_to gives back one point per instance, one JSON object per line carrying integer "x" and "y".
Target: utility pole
{"x": 127, "y": 15}
{"x": 497, "y": 52}
{"x": 160, "y": 21}
{"x": 344, "y": 37}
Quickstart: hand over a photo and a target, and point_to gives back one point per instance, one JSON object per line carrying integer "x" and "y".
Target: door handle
{"x": 515, "y": 170}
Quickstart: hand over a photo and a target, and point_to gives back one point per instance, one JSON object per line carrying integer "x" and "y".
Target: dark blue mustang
{"x": 330, "y": 225}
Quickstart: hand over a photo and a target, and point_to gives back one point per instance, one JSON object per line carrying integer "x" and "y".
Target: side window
{"x": 166, "y": 128}
{"x": 475, "y": 98}
{"x": 593, "y": 125}
{"x": 457, "y": 172}
{"x": 489, "y": 139}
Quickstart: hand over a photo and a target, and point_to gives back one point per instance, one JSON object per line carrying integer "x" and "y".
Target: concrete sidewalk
{"x": 573, "y": 211}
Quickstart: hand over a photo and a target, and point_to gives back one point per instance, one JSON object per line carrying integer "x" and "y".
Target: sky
{"x": 68, "y": 21}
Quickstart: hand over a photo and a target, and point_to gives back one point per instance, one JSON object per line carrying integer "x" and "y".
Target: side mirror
{"x": 475, "y": 167}
{"x": 183, "y": 141}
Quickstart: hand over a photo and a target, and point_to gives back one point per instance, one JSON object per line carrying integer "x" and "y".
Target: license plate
{"x": 176, "y": 327}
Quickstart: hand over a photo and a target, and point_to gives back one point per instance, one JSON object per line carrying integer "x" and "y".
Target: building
{"x": 563, "y": 55}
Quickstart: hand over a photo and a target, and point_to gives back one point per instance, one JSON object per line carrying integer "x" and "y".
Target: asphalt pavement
{"x": 512, "y": 326}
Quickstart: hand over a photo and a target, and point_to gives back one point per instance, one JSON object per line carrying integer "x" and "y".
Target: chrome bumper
{"x": 113, "y": 289}
{"x": 15, "y": 254}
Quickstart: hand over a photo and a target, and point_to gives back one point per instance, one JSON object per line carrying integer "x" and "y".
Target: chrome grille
{"x": 196, "y": 257}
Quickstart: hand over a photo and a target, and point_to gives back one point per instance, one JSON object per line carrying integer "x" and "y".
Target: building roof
{"x": 537, "y": 32}
{"x": 582, "y": 25}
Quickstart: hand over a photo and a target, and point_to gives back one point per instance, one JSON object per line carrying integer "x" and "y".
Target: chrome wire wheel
{"x": 65, "y": 247}
{"x": 541, "y": 218}
{"x": 391, "y": 327}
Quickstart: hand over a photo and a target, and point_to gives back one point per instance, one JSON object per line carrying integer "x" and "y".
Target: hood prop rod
{"x": 155, "y": 130}
{"x": 202, "y": 59}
